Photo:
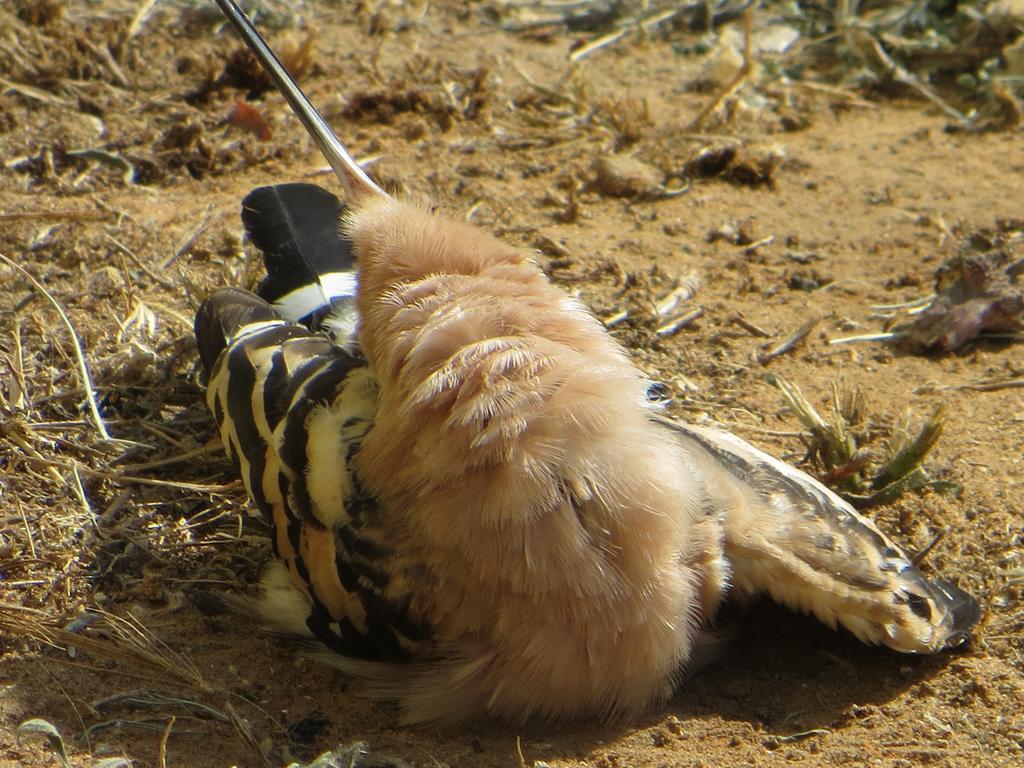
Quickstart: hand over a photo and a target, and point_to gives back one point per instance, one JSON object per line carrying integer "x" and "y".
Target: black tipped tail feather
{"x": 311, "y": 269}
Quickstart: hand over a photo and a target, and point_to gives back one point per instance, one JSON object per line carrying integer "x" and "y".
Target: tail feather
{"x": 311, "y": 269}
{"x": 790, "y": 537}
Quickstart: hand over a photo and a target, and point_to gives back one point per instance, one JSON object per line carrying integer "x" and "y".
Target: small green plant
{"x": 840, "y": 447}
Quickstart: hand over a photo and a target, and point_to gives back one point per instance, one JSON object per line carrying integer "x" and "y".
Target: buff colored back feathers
{"x": 513, "y": 436}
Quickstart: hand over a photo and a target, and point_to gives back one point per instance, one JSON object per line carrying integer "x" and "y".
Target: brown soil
{"x": 868, "y": 200}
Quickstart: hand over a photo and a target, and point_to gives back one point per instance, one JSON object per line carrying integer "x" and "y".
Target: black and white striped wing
{"x": 292, "y": 402}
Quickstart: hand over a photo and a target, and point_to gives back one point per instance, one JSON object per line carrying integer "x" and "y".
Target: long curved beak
{"x": 352, "y": 177}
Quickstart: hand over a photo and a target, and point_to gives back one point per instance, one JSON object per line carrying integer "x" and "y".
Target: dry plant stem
{"x": 103, "y": 55}
{"x": 139, "y": 19}
{"x": 727, "y": 93}
{"x": 833, "y": 444}
{"x": 982, "y": 385}
{"x": 599, "y": 43}
{"x": 686, "y": 288}
{"x": 58, "y": 215}
{"x": 749, "y": 327}
{"x": 117, "y": 478}
{"x": 863, "y": 41}
{"x": 128, "y": 643}
{"x": 645, "y": 25}
{"x": 163, "y": 742}
{"x": 140, "y": 264}
{"x": 188, "y": 456}
{"x": 190, "y": 238}
{"x": 805, "y": 412}
{"x": 921, "y": 303}
{"x": 850, "y": 98}
{"x": 767, "y": 240}
{"x": 913, "y": 480}
{"x": 18, "y": 366}
{"x": 617, "y": 319}
{"x": 28, "y": 529}
{"x": 797, "y": 336}
{"x": 863, "y": 337}
{"x": 919, "y": 558}
{"x": 155, "y": 700}
{"x": 673, "y": 327}
{"x": 83, "y": 369}
{"x": 520, "y": 757}
{"x": 35, "y": 94}
{"x": 246, "y": 734}
{"x": 30, "y": 450}
{"x": 79, "y": 490}
{"x": 165, "y": 433}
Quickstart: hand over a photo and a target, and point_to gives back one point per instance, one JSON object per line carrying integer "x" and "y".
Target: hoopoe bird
{"x": 475, "y": 505}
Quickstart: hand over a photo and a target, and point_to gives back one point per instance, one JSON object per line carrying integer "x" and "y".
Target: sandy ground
{"x": 869, "y": 198}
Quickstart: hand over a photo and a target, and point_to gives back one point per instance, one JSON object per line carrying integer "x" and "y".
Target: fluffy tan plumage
{"x": 565, "y": 550}
{"x": 486, "y": 516}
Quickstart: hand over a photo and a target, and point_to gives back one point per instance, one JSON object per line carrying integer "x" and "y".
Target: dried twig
{"x": 866, "y": 45}
{"x": 190, "y": 239}
{"x": 993, "y": 384}
{"x": 102, "y": 53}
{"x": 849, "y": 97}
{"x": 138, "y": 262}
{"x": 205, "y": 450}
{"x": 20, "y": 400}
{"x": 674, "y": 326}
{"x": 163, "y": 741}
{"x": 83, "y": 369}
{"x": 645, "y": 25}
{"x": 123, "y": 639}
{"x": 36, "y": 94}
{"x": 182, "y": 486}
{"x": 55, "y": 215}
{"x": 616, "y": 319}
{"x": 686, "y": 288}
{"x": 727, "y": 93}
{"x": 596, "y": 45}
{"x": 749, "y": 327}
{"x": 789, "y": 343}
{"x": 921, "y": 554}
{"x": 863, "y": 337}
{"x": 139, "y": 18}
{"x": 119, "y": 478}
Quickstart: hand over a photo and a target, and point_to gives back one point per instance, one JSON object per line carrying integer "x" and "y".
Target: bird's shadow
{"x": 781, "y": 673}
{"x": 785, "y": 673}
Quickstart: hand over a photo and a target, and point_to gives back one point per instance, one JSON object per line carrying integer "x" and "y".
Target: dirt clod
{"x": 620, "y": 176}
